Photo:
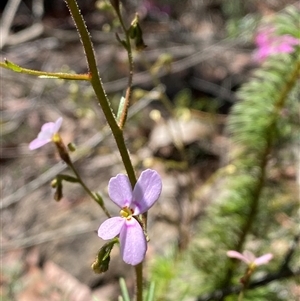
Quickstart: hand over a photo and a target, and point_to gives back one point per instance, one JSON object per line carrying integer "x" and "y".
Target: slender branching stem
{"x": 43, "y": 74}
{"x": 122, "y": 120}
{"x": 128, "y": 94}
{"x": 88, "y": 191}
{"x": 98, "y": 88}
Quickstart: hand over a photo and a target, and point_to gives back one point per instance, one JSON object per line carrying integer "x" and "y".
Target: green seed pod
{"x": 101, "y": 263}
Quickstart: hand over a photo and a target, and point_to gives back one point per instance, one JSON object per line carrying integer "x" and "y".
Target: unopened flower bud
{"x": 135, "y": 33}
{"x": 58, "y": 195}
{"x": 71, "y": 147}
{"x": 54, "y": 183}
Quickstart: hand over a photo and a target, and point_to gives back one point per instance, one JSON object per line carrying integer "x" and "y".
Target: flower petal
{"x": 146, "y": 191}
{"x": 36, "y": 143}
{"x": 111, "y": 227}
{"x": 285, "y": 48}
{"x": 45, "y": 135}
{"x": 48, "y": 127}
{"x": 133, "y": 242}
{"x": 237, "y": 255}
{"x": 263, "y": 259}
{"x": 249, "y": 256}
{"x": 57, "y": 125}
{"x": 120, "y": 191}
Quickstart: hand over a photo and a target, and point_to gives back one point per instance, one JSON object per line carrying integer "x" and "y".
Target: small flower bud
{"x": 71, "y": 147}
{"x": 54, "y": 183}
{"x": 135, "y": 33}
{"x": 132, "y": 32}
{"x": 58, "y": 195}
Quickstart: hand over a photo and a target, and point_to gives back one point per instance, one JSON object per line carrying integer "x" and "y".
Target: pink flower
{"x": 268, "y": 43}
{"x": 249, "y": 258}
{"x": 46, "y": 134}
{"x": 145, "y": 193}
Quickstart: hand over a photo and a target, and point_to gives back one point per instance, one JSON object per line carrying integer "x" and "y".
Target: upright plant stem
{"x": 116, "y": 129}
{"x": 98, "y": 87}
{"x": 123, "y": 117}
{"x": 139, "y": 281}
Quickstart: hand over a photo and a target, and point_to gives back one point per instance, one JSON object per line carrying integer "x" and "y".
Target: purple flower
{"x": 132, "y": 202}
{"x": 46, "y": 134}
{"x": 268, "y": 43}
{"x": 249, "y": 258}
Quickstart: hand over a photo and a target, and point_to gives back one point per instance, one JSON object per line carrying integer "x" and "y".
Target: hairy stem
{"x": 43, "y": 74}
{"x": 123, "y": 117}
{"x": 105, "y": 105}
{"x": 98, "y": 88}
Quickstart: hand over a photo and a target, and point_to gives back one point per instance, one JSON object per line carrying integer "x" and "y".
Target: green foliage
{"x": 124, "y": 290}
{"x": 288, "y": 22}
{"x": 243, "y": 215}
{"x": 255, "y": 125}
{"x": 150, "y": 291}
{"x": 163, "y": 271}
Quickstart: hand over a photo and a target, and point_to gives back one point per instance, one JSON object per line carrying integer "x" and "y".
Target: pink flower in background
{"x": 249, "y": 258}
{"x": 46, "y": 134}
{"x": 132, "y": 203}
{"x": 268, "y": 43}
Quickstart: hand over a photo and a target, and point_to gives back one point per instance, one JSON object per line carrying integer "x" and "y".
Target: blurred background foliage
{"x": 264, "y": 130}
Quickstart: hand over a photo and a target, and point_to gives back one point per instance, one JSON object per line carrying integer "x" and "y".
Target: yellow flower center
{"x": 126, "y": 213}
{"x": 252, "y": 266}
{"x": 56, "y": 138}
